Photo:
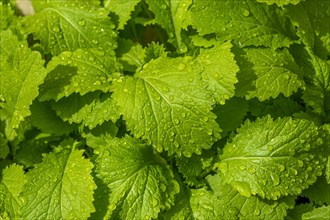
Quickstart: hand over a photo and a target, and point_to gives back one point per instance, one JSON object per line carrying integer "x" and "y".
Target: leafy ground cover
{"x": 165, "y": 109}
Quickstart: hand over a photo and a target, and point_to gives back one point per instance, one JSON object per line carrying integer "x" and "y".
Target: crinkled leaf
{"x": 122, "y": 8}
{"x": 280, "y": 2}
{"x": 317, "y": 94}
{"x": 154, "y": 50}
{"x": 273, "y": 158}
{"x": 235, "y": 205}
{"x": 321, "y": 213}
{"x": 140, "y": 181}
{"x": 265, "y": 73}
{"x": 167, "y": 103}
{"x": 67, "y": 26}
{"x": 171, "y": 14}
{"x": 44, "y": 118}
{"x": 22, "y": 72}
{"x": 219, "y": 71}
{"x": 11, "y": 185}
{"x": 245, "y": 21}
{"x": 63, "y": 191}
{"x": 81, "y": 71}
{"x": 91, "y": 109}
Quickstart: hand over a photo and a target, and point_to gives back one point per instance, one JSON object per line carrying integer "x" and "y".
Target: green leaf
{"x": 66, "y": 179}
{"x": 321, "y": 213}
{"x": 91, "y": 109}
{"x": 44, "y": 118}
{"x": 81, "y": 71}
{"x": 317, "y": 94}
{"x": 230, "y": 116}
{"x": 7, "y": 15}
{"x": 196, "y": 167}
{"x": 4, "y": 148}
{"x": 140, "y": 181}
{"x": 319, "y": 192}
{"x": 280, "y": 2}
{"x": 219, "y": 71}
{"x": 273, "y": 158}
{"x": 279, "y": 107}
{"x": 233, "y": 204}
{"x": 167, "y": 104}
{"x": 122, "y": 8}
{"x": 328, "y": 171}
{"x": 30, "y": 151}
{"x": 246, "y": 21}
{"x": 181, "y": 209}
{"x": 21, "y": 72}
{"x": 11, "y": 185}
{"x": 265, "y": 73}
{"x": 68, "y": 26}
{"x": 131, "y": 55}
{"x": 311, "y": 20}
{"x": 171, "y": 15}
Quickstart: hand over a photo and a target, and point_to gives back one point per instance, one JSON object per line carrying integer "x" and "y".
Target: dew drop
{"x": 181, "y": 66}
{"x": 246, "y": 13}
{"x": 56, "y": 29}
{"x": 112, "y": 206}
{"x": 209, "y": 131}
{"x": 257, "y": 211}
{"x": 164, "y": 109}
{"x": 155, "y": 202}
{"x": 275, "y": 179}
{"x": 281, "y": 168}
{"x": 300, "y": 163}
{"x": 176, "y": 121}
{"x": 94, "y": 41}
{"x": 251, "y": 170}
{"x": 242, "y": 167}
{"x": 82, "y": 23}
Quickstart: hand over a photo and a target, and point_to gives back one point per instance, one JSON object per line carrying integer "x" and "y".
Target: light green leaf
{"x": 65, "y": 188}
{"x": 265, "y": 73}
{"x": 171, "y": 14}
{"x": 11, "y": 185}
{"x": 122, "y": 8}
{"x": 232, "y": 204}
{"x": 273, "y": 158}
{"x": 321, "y": 213}
{"x": 219, "y": 71}
{"x": 21, "y": 72}
{"x": 81, "y": 71}
{"x": 44, "y": 118}
{"x": 245, "y": 21}
{"x": 91, "y": 109}
{"x": 167, "y": 104}
{"x": 141, "y": 183}
{"x": 317, "y": 94}
{"x": 280, "y": 2}
{"x": 67, "y": 26}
